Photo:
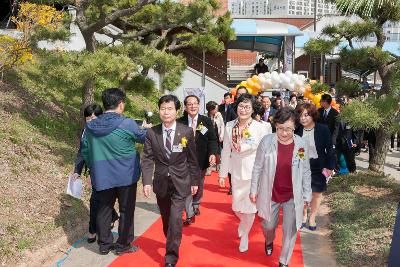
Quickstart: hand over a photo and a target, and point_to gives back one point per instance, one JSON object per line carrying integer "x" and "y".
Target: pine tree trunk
{"x": 87, "y": 97}
{"x": 378, "y": 154}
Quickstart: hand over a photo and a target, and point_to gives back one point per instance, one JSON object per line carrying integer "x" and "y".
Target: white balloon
{"x": 268, "y": 84}
{"x": 261, "y": 75}
{"x": 288, "y": 73}
{"x": 302, "y": 90}
{"x": 282, "y": 75}
{"x": 274, "y": 73}
{"x": 302, "y": 77}
{"x": 276, "y": 86}
{"x": 262, "y": 80}
{"x": 291, "y": 87}
{"x": 294, "y": 77}
{"x": 267, "y": 75}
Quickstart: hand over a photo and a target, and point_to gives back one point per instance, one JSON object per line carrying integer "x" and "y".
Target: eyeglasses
{"x": 285, "y": 130}
{"x": 246, "y": 108}
{"x": 192, "y": 104}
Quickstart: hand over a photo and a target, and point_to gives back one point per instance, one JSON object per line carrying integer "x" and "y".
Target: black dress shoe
{"x": 91, "y": 239}
{"x": 169, "y": 265}
{"x": 196, "y": 211}
{"x": 105, "y": 251}
{"x": 189, "y": 221}
{"x": 283, "y": 265}
{"x": 269, "y": 248}
{"x": 230, "y": 191}
{"x": 129, "y": 249}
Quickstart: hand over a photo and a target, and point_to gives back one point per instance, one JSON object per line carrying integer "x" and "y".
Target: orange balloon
{"x": 257, "y": 87}
{"x": 250, "y": 82}
{"x": 233, "y": 91}
{"x": 308, "y": 88}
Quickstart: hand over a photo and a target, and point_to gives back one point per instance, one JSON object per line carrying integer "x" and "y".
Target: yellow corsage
{"x": 200, "y": 127}
{"x": 246, "y": 133}
{"x": 183, "y": 142}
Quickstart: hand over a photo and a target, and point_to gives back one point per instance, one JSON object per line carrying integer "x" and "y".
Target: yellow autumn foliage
{"x": 16, "y": 51}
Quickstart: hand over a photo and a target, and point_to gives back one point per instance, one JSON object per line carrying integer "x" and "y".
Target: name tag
{"x": 249, "y": 140}
{"x": 204, "y": 130}
{"x": 177, "y": 148}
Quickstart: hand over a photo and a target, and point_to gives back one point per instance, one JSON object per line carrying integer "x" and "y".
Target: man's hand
{"x": 194, "y": 190}
{"x": 212, "y": 160}
{"x": 253, "y": 198}
{"x": 221, "y": 182}
{"x": 75, "y": 176}
{"x": 147, "y": 190}
{"x": 147, "y": 125}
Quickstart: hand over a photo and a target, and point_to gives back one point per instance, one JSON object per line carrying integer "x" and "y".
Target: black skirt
{"x": 318, "y": 180}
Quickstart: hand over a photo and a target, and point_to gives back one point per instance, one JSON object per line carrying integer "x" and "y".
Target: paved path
{"x": 317, "y": 247}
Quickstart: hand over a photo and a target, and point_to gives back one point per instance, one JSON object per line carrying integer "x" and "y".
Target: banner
{"x": 288, "y": 54}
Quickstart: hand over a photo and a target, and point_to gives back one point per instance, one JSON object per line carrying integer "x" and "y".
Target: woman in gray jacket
{"x": 281, "y": 177}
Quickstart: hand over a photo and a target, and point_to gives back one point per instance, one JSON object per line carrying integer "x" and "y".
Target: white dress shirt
{"x": 190, "y": 120}
{"x": 164, "y": 133}
{"x": 308, "y": 136}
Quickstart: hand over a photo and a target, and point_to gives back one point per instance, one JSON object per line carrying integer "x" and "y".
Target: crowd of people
{"x": 275, "y": 152}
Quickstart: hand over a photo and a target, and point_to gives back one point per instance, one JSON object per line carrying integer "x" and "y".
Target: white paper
{"x": 74, "y": 187}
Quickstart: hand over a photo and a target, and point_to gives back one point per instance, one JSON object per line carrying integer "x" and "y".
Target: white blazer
{"x": 240, "y": 165}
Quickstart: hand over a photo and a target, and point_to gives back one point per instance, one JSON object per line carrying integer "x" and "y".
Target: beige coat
{"x": 263, "y": 176}
{"x": 240, "y": 165}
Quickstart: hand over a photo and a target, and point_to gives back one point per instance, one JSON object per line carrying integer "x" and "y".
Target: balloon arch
{"x": 288, "y": 80}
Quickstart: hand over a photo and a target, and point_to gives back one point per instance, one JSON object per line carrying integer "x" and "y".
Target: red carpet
{"x": 212, "y": 241}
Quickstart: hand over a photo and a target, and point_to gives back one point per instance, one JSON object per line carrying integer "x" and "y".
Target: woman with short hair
{"x": 241, "y": 140}
{"x": 281, "y": 177}
{"x": 321, "y": 154}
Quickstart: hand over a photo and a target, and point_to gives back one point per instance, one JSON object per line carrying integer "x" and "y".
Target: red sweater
{"x": 282, "y": 189}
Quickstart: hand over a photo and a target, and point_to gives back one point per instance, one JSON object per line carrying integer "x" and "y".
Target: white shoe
{"x": 244, "y": 243}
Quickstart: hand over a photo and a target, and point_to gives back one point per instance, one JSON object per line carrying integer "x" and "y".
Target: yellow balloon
{"x": 316, "y": 99}
{"x": 257, "y": 87}
{"x": 254, "y": 78}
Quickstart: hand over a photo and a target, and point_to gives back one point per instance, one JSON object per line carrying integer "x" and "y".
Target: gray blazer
{"x": 263, "y": 176}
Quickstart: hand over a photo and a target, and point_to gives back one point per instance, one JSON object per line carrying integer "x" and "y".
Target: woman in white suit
{"x": 281, "y": 178}
{"x": 241, "y": 140}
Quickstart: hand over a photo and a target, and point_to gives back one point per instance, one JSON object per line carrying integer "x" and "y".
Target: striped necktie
{"x": 168, "y": 143}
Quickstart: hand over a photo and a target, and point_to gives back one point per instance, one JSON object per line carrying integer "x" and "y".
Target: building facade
{"x": 279, "y": 7}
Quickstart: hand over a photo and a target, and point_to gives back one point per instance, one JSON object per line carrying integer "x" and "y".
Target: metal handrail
{"x": 210, "y": 65}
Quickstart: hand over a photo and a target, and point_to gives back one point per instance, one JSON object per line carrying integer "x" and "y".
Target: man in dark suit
{"x": 329, "y": 116}
{"x": 224, "y": 108}
{"x": 231, "y": 114}
{"x": 269, "y": 111}
{"x": 206, "y": 148}
{"x": 170, "y": 146}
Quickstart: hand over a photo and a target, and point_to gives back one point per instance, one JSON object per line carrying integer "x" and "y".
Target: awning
{"x": 261, "y": 35}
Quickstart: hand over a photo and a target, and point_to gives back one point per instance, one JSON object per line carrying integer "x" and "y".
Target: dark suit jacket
{"x": 272, "y": 112}
{"x": 182, "y": 166}
{"x": 332, "y": 121}
{"x": 323, "y": 144}
{"x": 206, "y": 144}
{"x": 231, "y": 113}
{"x": 221, "y": 109}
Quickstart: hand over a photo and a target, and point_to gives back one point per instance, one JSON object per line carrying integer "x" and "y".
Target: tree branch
{"x": 103, "y": 21}
{"x": 173, "y": 48}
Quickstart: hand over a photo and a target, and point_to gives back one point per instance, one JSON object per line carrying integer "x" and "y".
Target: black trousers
{"x": 171, "y": 207}
{"x": 93, "y": 212}
{"x": 126, "y": 196}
